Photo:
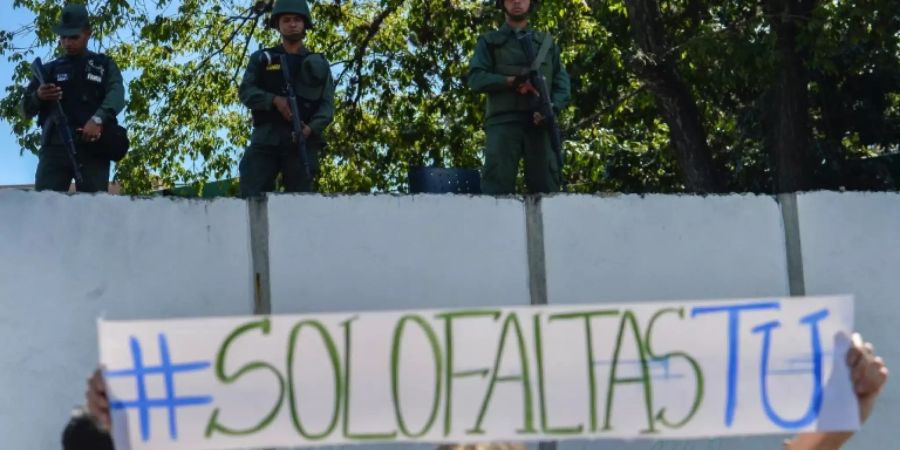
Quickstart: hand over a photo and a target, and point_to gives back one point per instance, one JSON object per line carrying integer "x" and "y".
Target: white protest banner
{"x": 641, "y": 370}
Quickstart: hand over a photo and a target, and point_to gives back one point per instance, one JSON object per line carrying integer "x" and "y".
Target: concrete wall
{"x": 851, "y": 244}
{"x": 68, "y": 259}
{"x": 631, "y": 248}
{"x": 391, "y": 252}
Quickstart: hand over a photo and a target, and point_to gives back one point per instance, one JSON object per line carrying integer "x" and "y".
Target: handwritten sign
{"x": 641, "y": 370}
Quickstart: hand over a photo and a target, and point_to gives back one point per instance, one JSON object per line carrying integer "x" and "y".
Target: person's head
{"x": 291, "y": 18}
{"x": 82, "y": 433}
{"x": 73, "y": 29}
{"x": 482, "y": 447}
{"x": 517, "y": 10}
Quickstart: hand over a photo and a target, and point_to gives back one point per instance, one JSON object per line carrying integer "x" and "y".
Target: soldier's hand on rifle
{"x": 522, "y": 85}
{"x": 527, "y": 88}
{"x": 306, "y": 131}
{"x": 91, "y": 131}
{"x": 538, "y": 119}
{"x": 282, "y": 105}
{"x": 49, "y": 92}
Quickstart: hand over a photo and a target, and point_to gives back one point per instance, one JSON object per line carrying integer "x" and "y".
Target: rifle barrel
{"x": 296, "y": 123}
{"x": 546, "y": 107}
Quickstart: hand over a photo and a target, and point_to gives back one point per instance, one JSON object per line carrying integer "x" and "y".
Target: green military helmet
{"x": 531, "y": 7}
{"x": 290, "y": 7}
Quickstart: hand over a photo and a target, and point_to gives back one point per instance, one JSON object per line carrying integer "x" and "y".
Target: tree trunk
{"x": 791, "y": 132}
{"x": 679, "y": 109}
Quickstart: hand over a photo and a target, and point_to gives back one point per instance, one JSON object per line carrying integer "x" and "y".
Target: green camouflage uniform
{"x": 272, "y": 150}
{"x": 511, "y": 133}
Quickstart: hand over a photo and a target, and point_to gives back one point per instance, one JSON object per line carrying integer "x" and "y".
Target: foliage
{"x": 400, "y": 66}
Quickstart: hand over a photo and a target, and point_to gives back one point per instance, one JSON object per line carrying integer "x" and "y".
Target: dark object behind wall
{"x": 877, "y": 173}
{"x": 213, "y": 189}
{"x": 438, "y": 180}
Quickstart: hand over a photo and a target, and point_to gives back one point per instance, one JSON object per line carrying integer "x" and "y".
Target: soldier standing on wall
{"x": 273, "y": 146}
{"x": 515, "y": 130}
{"x": 89, "y": 88}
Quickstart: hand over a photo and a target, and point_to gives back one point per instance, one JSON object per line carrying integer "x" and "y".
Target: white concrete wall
{"x": 625, "y": 248}
{"x": 391, "y": 252}
{"x": 65, "y": 260}
{"x": 851, "y": 245}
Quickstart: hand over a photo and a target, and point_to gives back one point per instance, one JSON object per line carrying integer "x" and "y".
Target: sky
{"x": 14, "y": 169}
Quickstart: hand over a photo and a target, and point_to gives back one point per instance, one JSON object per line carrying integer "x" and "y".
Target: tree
{"x": 792, "y": 132}
{"x": 669, "y": 96}
{"x": 655, "y": 67}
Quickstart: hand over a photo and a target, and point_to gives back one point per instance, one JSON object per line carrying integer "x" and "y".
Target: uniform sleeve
{"x": 481, "y": 79}
{"x": 325, "y": 114}
{"x": 562, "y": 89}
{"x": 30, "y": 104}
{"x": 114, "y": 101}
{"x": 249, "y": 92}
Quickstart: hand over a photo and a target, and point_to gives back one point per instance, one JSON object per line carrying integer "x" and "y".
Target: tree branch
{"x": 360, "y": 52}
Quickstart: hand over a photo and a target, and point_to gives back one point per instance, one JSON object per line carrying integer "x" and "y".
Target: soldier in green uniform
{"x": 272, "y": 148}
{"x": 514, "y": 128}
{"x": 89, "y": 87}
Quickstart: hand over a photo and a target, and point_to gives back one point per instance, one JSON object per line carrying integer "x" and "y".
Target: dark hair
{"x": 82, "y": 433}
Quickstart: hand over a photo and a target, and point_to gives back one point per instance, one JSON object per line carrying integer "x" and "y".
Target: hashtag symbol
{"x": 143, "y": 403}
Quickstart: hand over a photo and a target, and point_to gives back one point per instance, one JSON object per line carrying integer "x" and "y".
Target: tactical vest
{"x": 83, "y": 81}
{"x": 509, "y": 60}
{"x": 271, "y": 80}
